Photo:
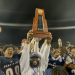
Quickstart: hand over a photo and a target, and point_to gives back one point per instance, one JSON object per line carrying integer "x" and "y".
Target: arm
{"x": 68, "y": 63}
{"x": 24, "y": 61}
{"x": 43, "y": 46}
{"x": 46, "y": 43}
{"x": 45, "y": 55}
{"x": 32, "y": 45}
{"x": 36, "y": 48}
{"x": 71, "y": 66}
{"x": 44, "y": 58}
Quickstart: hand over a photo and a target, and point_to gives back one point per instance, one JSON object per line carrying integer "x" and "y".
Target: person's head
{"x": 34, "y": 60}
{"x": 73, "y": 52}
{"x": 16, "y": 50}
{"x": 55, "y": 53}
{"x": 68, "y": 49}
{"x": 63, "y": 51}
{"x": 8, "y": 51}
{"x": 59, "y": 70}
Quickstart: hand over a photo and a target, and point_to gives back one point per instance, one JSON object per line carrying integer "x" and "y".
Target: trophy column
{"x": 40, "y": 28}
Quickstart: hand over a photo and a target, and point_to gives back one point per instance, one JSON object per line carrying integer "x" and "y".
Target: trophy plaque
{"x": 40, "y": 28}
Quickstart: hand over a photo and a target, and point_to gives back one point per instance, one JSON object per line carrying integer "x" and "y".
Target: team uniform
{"x": 10, "y": 66}
{"x": 68, "y": 60}
{"x": 53, "y": 63}
{"x": 73, "y": 71}
{"x": 25, "y": 60}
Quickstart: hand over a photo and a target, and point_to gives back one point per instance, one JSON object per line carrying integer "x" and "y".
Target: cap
{"x": 34, "y": 54}
{"x": 23, "y": 42}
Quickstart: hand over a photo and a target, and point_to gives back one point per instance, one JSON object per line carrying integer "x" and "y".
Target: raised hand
{"x": 29, "y": 36}
{"x": 37, "y": 39}
{"x": 45, "y": 42}
{"x": 49, "y": 39}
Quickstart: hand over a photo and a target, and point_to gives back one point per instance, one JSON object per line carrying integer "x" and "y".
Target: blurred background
{"x": 16, "y": 19}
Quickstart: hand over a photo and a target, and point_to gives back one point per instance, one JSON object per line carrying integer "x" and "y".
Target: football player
{"x": 54, "y": 60}
{"x": 34, "y": 63}
{"x": 1, "y": 72}
{"x": 69, "y": 62}
{"x": 10, "y": 61}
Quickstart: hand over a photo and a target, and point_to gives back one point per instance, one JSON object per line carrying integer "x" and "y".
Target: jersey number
{"x": 9, "y": 71}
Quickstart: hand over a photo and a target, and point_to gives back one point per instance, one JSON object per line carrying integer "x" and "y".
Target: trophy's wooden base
{"x": 40, "y": 34}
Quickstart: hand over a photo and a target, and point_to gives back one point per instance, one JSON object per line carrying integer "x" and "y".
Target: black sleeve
{"x": 17, "y": 56}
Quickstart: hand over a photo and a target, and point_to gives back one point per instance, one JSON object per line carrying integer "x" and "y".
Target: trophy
{"x": 40, "y": 28}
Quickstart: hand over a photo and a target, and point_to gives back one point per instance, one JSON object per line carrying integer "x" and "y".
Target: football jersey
{"x": 67, "y": 56}
{"x": 51, "y": 64}
{"x": 10, "y": 66}
{"x": 65, "y": 59}
{"x": 73, "y": 70}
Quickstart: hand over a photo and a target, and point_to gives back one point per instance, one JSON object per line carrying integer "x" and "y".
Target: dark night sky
{"x": 23, "y": 11}
{"x": 59, "y": 13}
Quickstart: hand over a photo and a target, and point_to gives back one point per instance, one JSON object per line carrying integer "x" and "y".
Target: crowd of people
{"x": 32, "y": 60}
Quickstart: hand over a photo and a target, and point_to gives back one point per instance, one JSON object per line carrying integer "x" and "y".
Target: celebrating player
{"x": 54, "y": 60}
{"x": 10, "y": 61}
{"x": 69, "y": 62}
{"x": 34, "y": 63}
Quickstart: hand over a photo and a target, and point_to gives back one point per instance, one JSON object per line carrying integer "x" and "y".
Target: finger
{"x": 30, "y": 31}
{"x": 29, "y": 34}
{"x": 49, "y": 33}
